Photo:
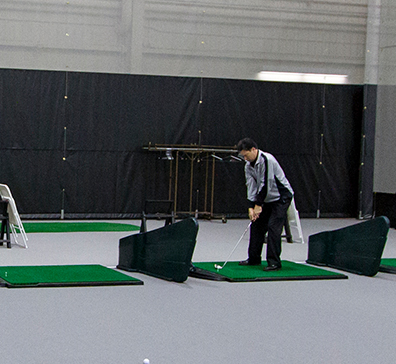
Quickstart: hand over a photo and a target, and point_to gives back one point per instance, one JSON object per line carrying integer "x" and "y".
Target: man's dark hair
{"x": 246, "y": 144}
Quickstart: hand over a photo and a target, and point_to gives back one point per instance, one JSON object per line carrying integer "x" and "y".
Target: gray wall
{"x": 220, "y": 38}
{"x": 385, "y": 145}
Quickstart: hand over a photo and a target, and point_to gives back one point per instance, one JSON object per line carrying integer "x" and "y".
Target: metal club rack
{"x": 195, "y": 153}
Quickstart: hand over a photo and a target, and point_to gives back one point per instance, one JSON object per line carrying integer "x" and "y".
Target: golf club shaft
{"x": 240, "y": 239}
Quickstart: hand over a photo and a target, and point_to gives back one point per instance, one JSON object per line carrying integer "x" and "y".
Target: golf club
{"x": 217, "y": 266}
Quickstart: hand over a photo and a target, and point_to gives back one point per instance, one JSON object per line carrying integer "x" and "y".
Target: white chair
{"x": 14, "y": 219}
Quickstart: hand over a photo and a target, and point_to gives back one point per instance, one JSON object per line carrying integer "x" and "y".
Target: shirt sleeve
{"x": 251, "y": 185}
{"x": 264, "y": 189}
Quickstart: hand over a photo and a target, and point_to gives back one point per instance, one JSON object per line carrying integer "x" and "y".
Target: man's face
{"x": 249, "y": 155}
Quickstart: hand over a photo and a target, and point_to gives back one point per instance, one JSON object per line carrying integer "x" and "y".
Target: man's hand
{"x": 254, "y": 213}
{"x": 257, "y": 210}
{"x": 251, "y": 213}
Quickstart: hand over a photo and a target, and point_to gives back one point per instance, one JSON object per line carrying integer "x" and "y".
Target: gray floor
{"x": 333, "y": 321}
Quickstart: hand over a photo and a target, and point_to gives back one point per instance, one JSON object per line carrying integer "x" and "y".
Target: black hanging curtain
{"x": 72, "y": 143}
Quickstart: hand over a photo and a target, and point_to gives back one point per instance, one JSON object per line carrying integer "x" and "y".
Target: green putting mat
{"x": 232, "y": 272}
{"x": 65, "y": 227}
{"x": 63, "y": 276}
{"x": 388, "y": 265}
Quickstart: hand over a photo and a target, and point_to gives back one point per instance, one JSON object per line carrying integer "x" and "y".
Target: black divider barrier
{"x": 357, "y": 248}
{"x": 164, "y": 253}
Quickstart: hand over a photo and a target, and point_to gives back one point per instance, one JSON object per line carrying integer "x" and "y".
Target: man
{"x": 269, "y": 194}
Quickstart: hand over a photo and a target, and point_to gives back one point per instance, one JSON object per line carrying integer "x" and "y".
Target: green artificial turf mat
{"x": 65, "y": 227}
{"x": 63, "y": 275}
{"x": 388, "y": 265}
{"x": 290, "y": 271}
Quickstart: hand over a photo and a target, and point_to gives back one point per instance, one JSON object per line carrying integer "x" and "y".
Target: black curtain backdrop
{"x": 73, "y": 142}
{"x": 367, "y": 149}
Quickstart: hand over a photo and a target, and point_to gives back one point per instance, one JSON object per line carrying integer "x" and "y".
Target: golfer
{"x": 269, "y": 194}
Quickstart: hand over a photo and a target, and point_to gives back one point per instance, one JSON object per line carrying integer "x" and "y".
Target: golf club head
{"x": 218, "y": 266}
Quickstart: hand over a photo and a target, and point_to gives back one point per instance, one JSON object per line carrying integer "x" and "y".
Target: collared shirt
{"x": 265, "y": 180}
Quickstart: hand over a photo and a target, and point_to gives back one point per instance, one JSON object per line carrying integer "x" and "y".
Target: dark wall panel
{"x": 385, "y": 205}
{"x": 34, "y": 177}
{"x": 119, "y": 112}
{"x": 74, "y": 141}
{"x": 343, "y": 106}
{"x": 31, "y": 109}
{"x": 367, "y": 147}
{"x": 313, "y": 130}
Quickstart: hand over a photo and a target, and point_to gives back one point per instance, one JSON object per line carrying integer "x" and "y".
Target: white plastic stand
{"x": 294, "y": 222}
{"x": 15, "y": 220}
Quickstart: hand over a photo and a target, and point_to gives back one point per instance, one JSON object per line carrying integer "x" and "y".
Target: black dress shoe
{"x": 272, "y": 268}
{"x": 248, "y": 262}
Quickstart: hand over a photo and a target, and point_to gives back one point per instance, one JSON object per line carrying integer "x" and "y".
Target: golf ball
{"x": 146, "y": 361}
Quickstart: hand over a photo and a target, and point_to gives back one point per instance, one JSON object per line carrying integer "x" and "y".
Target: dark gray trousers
{"x": 272, "y": 220}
